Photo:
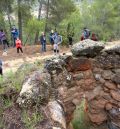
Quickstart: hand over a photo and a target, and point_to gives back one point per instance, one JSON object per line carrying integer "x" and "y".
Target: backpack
{"x": 60, "y": 38}
{"x": 86, "y": 33}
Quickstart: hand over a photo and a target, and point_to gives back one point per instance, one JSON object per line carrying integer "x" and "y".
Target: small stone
{"x": 98, "y": 118}
{"x": 110, "y": 85}
{"x": 116, "y": 78}
{"x": 118, "y": 86}
{"x": 78, "y": 76}
{"x": 107, "y": 74}
{"x": 97, "y": 77}
{"x": 115, "y": 95}
{"x": 108, "y": 106}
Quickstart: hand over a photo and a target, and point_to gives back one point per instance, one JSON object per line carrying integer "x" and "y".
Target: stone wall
{"x": 92, "y": 73}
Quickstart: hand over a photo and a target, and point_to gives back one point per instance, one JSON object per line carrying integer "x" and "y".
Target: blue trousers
{"x": 43, "y": 47}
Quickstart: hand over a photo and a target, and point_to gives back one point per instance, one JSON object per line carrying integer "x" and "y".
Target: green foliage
{"x": 79, "y": 121}
{"x": 31, "y": 119}
{"x": 33, "y": 26}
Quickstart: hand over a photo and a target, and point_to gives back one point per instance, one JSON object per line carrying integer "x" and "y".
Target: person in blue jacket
{"x": 15, "y": 34}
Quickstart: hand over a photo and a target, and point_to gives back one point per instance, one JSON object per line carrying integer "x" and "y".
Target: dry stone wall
{"x": 89, "y": 75}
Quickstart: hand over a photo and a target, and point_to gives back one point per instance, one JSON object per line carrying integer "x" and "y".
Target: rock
{"x": 115, "y": 49}
{"x": 98, "y": 104}
{"x": 108, "y": 106}
{"x": 89, "y": 84}
{"x": 110, "y": 85}
{"x": 109, "y": 61}
{"x": 115, "y": 95}
{"x": 79, "y": 64}
{"x": 97, "y": 77}
{"x": 91, "y": 95}
{"x": 78, "y": 76}
{"x": 54, "y": 65}
{"x": 98, "y": 118}
{"x": 116, "y": 78}
{"x": 107, "y": 74}
{"x": 56, "y": 113}
{"x": 37, "y": 86}
{"x": 87, "y": 48}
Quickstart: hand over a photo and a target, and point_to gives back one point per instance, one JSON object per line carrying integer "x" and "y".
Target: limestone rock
{"x": 87, "y": 48}
{"x": 37, "y": 86}
{"x": 56, "y": 112}
{"x": 114, "y": 49}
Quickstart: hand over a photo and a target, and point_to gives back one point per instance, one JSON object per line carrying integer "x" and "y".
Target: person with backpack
{"x": 4, "y": 40}
{"x": 43, "y": 42}
{"x": 51, "y": 36}
{"x": 86, "y": 33}
{"x": 57, "y": 42}
{"x": 1, "y": 69}
{"x": 19, "y": 45}
{"x": 15, "y": 35}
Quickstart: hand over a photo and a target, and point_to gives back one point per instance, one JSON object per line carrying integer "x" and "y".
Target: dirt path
{"x": 31, "y": 54}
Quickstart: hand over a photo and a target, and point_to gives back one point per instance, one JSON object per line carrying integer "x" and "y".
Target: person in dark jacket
{"x": 43, "y": 42}
{"x": 15, "y": 35}
{"x": 51, "y": 38}
{"x": 70, "y": 39}
{"x": 1, "y": 70}
{"x": 4, "y": 40}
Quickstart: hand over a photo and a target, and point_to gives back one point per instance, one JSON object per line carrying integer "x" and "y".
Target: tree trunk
{"x": 39, "y": 15}
{"x": 47, "y": 13}
{"x": 9, "y": 19}
{"x": 19, "y": 19}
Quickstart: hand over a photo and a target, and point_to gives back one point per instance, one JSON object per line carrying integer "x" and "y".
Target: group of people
{"x": 55, "y": 40}
{"x": 87, "y": 35}
{"x": 16, "y": 41}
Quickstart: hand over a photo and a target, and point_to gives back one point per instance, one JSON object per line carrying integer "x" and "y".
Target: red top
{"x": 82, "y": 38}
{"x": 94, "y": 38}
{"x": 18, "y": 43}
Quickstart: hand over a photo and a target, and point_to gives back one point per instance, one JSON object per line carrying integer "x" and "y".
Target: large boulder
{"x": 35, "y": 88}
{"x": 87, "y": 48}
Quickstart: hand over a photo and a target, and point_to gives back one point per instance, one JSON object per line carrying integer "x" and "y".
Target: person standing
{"x": 19, "y": 45}
{"x": 1, "y": 69}
{"x": 43, "y": 42}
{"x": 57, "y": 41}
{"x": 70, "y": 39}
{"x": 15, "y": 34}
{"x": 4, "y": 40}
{"x": 51, "y": 36}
